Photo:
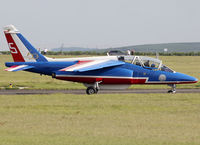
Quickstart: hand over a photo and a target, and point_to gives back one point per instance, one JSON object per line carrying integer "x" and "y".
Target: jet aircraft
{"x": 104, "y": 72}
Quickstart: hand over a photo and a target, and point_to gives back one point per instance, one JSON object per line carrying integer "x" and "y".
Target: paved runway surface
{"x": 129, "y": 91}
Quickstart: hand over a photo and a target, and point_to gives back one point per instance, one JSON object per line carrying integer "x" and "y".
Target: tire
{"x": 91, "y": 90}
{"x": 172, "y": 91}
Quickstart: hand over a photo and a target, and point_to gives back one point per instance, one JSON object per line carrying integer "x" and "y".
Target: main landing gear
{"x": 93, "y": 89}
{"x": 173, "y": 90}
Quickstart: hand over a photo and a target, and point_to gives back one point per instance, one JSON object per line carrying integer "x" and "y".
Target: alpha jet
{"x": 105, "y": 72}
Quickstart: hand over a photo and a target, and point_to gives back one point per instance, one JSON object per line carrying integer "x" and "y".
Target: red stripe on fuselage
{"x": 116, "y": 80}
{"x": 17, "y": 57}
{"x": 104, "y": 80}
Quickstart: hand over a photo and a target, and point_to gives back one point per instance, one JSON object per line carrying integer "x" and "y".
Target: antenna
{"x": 61, "y": 48}
{"x": 157, "y": 54}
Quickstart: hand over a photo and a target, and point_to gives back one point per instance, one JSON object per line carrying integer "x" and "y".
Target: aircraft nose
{"x": 191, "y": 79}
{"x": 186, "y": 78}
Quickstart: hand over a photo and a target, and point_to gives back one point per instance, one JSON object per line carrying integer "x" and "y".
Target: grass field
{"x": 185, "y": 64}
{"x": 111, "y": 119}
{"x": 131, "y": 119}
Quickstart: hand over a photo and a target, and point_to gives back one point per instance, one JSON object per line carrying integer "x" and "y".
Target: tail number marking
{"x": 12, "y": 49}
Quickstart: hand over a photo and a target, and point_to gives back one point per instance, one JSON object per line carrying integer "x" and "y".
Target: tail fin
{"x": 20, "y": 48}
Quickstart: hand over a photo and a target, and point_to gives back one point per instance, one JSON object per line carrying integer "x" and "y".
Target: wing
{"x": 82, "y": 66}
{"x": 19, "y": 67}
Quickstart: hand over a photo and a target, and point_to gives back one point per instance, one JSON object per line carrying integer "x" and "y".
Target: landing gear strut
{"x": 93, "y": 89}
{"x": 173, "y": 90}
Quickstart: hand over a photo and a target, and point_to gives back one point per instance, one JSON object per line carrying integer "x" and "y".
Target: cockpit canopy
{"x": 145, "y": 62}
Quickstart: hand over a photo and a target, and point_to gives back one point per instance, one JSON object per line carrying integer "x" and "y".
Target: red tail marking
{"x": 17, "y": 57}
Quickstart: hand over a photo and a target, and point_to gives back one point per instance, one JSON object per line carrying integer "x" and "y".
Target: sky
{"x": 101, "y": 23}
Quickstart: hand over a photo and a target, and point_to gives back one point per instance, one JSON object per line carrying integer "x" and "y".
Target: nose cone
{"x": 184, "y": 79}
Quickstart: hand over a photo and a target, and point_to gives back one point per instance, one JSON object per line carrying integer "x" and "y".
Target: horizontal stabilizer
{"x": 83, "y": 66}
{"x": 19, "y": 68}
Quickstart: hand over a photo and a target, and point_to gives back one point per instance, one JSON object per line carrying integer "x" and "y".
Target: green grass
{"x": 111, "y": 119}
{"x": 185, "y": 64}
{"x": 128, "y": 119}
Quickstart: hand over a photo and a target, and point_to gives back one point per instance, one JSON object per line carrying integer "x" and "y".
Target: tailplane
{"x": 20, "y": 48}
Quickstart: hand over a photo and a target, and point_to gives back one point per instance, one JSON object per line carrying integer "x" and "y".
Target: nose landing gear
{"x": 173, "y": 90}
{"x": 93, "y": 89}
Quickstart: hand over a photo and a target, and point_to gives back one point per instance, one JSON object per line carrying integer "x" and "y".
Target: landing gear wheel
{"x": 172, "y": 91}
{"x": 91, "y": 90}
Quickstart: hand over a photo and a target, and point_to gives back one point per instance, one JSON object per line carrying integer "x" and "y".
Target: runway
{"x": 129, "y": 91}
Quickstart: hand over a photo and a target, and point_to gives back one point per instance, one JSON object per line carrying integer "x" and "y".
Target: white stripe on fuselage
{"x": 87, "y": 64}
{"x": 119, "y": 77}
{"x": 165, "y": 82}
{"x": 82, "y": 58}
{"x": 87, "y": 76}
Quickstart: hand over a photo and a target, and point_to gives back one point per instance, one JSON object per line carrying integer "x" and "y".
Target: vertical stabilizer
{"x": 20, "y": 48}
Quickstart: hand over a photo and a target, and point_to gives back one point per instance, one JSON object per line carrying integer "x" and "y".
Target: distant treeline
{"x": 105, "y": 53}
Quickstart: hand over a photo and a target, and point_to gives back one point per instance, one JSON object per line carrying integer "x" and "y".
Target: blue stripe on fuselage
{"x": 43, "y": 67}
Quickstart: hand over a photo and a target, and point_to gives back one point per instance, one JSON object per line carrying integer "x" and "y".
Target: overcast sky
{"x": 101, "y": 23}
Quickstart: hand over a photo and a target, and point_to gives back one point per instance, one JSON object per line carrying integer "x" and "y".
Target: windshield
{"x": 151, "y": 62}
{"x": 146, "y": 62}
{"x": 167, "y": 69}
